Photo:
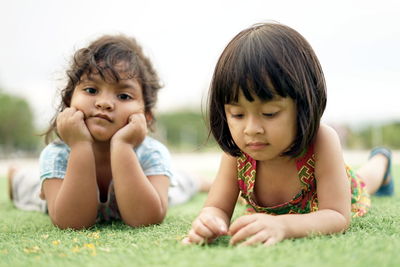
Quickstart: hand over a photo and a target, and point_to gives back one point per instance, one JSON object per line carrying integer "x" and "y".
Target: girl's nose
{"x": 253, "y": 127}
{"x": 104, "y": 103}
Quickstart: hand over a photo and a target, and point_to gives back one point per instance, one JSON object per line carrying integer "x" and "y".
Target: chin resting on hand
{"x": 134, "y": 131}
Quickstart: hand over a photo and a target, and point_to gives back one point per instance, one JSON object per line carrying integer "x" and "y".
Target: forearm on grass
{"x": 315, "y": 223}
{"x": 217, "y": 212}
{"x": 75, "y": 205}
{"x": 140, "y": 202}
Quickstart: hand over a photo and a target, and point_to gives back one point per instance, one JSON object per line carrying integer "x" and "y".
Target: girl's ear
{"x": 148, "y": 117}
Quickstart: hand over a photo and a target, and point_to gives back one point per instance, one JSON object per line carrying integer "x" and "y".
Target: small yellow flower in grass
{"x": 91, "y": 247}
{"x": 45, "y": 236}
{"x": 34, "y": 249}
{"x": 75, "y": 240}
{"x": 94, "y": 235}
{"x": 56, "y": 242}
{"x": 75, "y": 249}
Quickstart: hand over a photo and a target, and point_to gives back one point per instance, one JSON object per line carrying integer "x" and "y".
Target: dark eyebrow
{"x": 124, "y": 86}
{"x": 121, "y": 85}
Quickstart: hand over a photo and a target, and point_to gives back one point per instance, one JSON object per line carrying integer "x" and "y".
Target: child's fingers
{"x": 240, "y": 223}
{"x": 138, "y": 120}
{"x": 202, "y": 229}
{"x": 78, "y": 115}
{"x": 222, "y": 226}
{"x": 186, "y": 241}
{"x": 259, "y": 237}
{"x": 215, "y": 224}
{"x": 70, "y": 116}
{"x": 71, "y": 113}
{"x": 194, "y": 238}
{"x": 243, "y": 228}
{"x": 65, "y": 113}
{"x": 271, "y": 241}
{"x": 245, "y": 232}
{"x": 139, "y": 116}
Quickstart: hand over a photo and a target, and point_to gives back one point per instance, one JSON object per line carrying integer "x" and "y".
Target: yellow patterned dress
{"x": 306, "y": 200}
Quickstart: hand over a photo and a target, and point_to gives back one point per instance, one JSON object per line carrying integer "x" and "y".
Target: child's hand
{"x": 205, "y": 229}
{"x": 257, "y": 228}
{"x": 134, "y": 131}
{"x": 71, "y": 127}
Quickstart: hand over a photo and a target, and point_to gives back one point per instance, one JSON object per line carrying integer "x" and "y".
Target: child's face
{"x": 262, "y": 129}
{"x": 106, "y": 104}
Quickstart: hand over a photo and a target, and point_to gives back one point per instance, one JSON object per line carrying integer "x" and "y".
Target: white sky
{"x": 357, "y": 42}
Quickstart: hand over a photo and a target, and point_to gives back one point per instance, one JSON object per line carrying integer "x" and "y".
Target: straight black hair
{"x": 266, "y": 60}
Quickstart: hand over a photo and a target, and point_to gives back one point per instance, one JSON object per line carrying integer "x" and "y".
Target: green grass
{"x": 29, "y": 239}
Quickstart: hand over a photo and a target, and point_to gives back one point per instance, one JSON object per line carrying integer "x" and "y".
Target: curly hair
{"x": 101, "y": 57}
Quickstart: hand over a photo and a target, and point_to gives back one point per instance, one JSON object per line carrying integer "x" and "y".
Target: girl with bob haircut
{"x": 102, "y": 166}
{"x": 266, "y": 100}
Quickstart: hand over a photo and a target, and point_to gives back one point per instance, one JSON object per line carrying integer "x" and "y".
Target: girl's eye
{"x": 237, "y": 116}
{"x": 270, "y": 115}
{"x": 124, "y": 96}
{"x": 90, "y": 90}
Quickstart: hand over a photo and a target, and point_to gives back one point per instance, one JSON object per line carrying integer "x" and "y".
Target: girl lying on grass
{"x": 103, "y": 166}
{"x": 266, "y": 100}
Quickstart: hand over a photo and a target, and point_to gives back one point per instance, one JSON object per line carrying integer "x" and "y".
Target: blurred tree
{"x": 391, "y": 135}
{"x": 369, "y": 136}
{"x": 16, "y": 124}
{"x": 183, "y": 130}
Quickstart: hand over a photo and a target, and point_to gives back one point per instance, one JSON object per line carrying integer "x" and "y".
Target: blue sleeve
{"x": 154, "y": 158}
{"x": 53, "y": 161}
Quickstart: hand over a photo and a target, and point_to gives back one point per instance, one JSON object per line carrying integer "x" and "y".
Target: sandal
{"x": 385, "y": 189}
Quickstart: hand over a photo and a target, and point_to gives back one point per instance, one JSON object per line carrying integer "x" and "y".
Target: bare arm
{"x": 224, "y": 191}
{"x": 141, "y": 200}
{"x": 333, "y": 186}
{"x": 72, "y": 202}
{"x": 214, "y": 218}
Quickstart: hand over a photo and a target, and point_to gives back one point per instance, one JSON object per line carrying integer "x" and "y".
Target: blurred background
{"x": 357, "y": 43}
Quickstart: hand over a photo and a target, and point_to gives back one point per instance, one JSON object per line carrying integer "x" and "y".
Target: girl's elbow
{"x": 345, "y": 221}
{"x": 157, "y": 218}
{"x": 72, "y": 224}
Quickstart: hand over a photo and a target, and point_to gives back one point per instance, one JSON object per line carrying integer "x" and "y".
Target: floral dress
{"x": 306, "y": 200}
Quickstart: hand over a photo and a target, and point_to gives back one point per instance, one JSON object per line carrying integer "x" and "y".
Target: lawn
{"x": 29, "y": 239}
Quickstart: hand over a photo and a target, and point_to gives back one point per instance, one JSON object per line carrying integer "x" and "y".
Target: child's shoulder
{"x": 327, "y": 141}
{"x": 151, "y": 145}
{"x": 53, "y": 159}
{"x": 326, "y": 134}
{"x": 56, "y": 147}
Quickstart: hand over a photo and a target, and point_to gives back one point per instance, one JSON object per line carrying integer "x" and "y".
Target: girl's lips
{"x": 103, "y": 116}
{"x": 257, "y": 145}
